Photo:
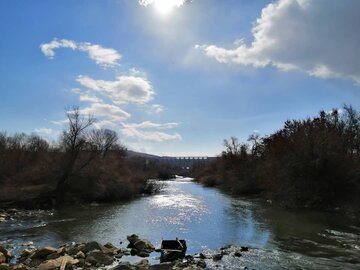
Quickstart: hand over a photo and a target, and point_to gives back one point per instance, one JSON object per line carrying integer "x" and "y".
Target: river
{"x": 208, "y": 219}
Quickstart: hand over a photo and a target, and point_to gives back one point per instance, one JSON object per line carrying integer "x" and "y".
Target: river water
{"x": 208, "y": 219}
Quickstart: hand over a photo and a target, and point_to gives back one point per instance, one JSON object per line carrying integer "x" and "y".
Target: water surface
{"x": 208, "y": 219}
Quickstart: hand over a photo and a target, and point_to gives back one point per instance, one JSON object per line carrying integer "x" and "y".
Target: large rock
{"x": 5, "y": 253}
{"x": 91, "y": 246}
{"x": 4, "y": 266}
{"x": 42, "y": 253}
{"x": 98, "y": 258}
{"x": 140, "y": 244}
{"x": 2, "y": 258}
{"x": 60, "y": 262}
{"x": 144, "y": 244}
{"x": 162, "y": 266}
{"x": 143, "y": 264}
{"x": 123, "y": 266}
{"x": 19, "y": 266}
{"x": 49, "y": 265}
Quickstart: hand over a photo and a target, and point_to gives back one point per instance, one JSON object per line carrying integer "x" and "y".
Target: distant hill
{"x": 131, "y": 154}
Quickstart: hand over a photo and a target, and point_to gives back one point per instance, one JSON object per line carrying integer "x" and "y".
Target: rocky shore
{"x": 93, "y": 255}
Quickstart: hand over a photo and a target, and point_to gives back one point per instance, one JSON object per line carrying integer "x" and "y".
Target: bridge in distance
{"x": 185, "y": 162}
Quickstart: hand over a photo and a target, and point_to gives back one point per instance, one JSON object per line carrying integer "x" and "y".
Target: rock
{"x": 92, "y": 246}
{"x": 217, "y": 257}
{"x": 6, "y": 253}
{"x": 244, "y": 249}
{"x": 139, "y": 244}
{"x": 12, "y": 211}
{"x": 118, "y": 256}
{"x": 2, "y": 258}
{"x": 123, "y": 266}
{"x": 19, "y": 266}
{"x": 72, "y": 250}
{"x": 61, "y": 251}
{"x": 202, "y": 256}
{"x": 110, "y": 246}
{"x": 26, "y": 253}
{"x": 43, "y": 252}
{"x": 225, "y": 247}
{"x": 29, "y": 243}
{"x": 133, "y": 252}
{"x": 4, "y": 266}
{"x": 143, "y": 264}
{"x": 143, "y": 253}
{"x": 144, "y": 244}
{"x": 201, "y": 264}
{"x": 53, "y": 256}
{"x": 98, "y": 257}
{"x": 80, "y": 254}
{"x": 237, "y": 254}
{"x": 162, "y": 266}
{"x": 132, "y": 239}
{"x": 61, "y": 262}
{"x": 191, "y": 268}
{"x": 49, "y": 265}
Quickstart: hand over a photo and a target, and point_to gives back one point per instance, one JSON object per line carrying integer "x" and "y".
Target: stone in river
{"x": 98, "y": 257}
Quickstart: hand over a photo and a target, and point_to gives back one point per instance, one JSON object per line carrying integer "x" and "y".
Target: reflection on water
{"x": 207, "y": 219}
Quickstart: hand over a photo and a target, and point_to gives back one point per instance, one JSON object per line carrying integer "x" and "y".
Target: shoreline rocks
{"x": 93, "y": 255}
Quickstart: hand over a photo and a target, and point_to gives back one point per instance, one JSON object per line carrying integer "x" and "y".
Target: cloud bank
{"x": 320, "y": 37}
{"x": 105, "y": 57}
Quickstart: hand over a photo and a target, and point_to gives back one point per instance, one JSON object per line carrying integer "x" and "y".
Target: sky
{"x": 176, "y": 77}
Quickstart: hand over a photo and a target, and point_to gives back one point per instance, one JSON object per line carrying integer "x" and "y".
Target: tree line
{"x": 85, "y": 164}
{"x": 313, "y": 162}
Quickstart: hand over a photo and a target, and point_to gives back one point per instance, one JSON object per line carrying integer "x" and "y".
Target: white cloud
{"x": 105, "y": 57}
{"x": 157, "y": 108}
{"x": 125, "y": 89}
{"x": 320, "y": 37}
{"x": 89, "y": 98}
{"x": 44, "y": 131}
{"x": 154, "y": 136}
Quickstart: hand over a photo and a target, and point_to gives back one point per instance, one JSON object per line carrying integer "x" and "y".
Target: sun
{"x": 164, "y": 7}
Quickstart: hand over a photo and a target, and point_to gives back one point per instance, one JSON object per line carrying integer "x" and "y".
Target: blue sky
{"x": 176, "y": 77}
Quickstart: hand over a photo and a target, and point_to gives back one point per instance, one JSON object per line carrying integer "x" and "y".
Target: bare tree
{"x": 255, "y": 141}
{"x": 104, "y": 140}
{"x": 232, "y": 146}
{"x": 73, "y": 141}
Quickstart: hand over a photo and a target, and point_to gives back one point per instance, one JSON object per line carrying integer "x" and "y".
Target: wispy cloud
{"x": 157, "y": 108}
{"x": 176, "y": 3}
{"x": 106, "y": 110}
{"x": 149, "y": 124}
{"x": 102, "y": 56}
{"x": 148, "y": 131}
{"x": 44, "y": 131}
{"x": 306, "y": 35}
{"x": 155, "y": 136}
